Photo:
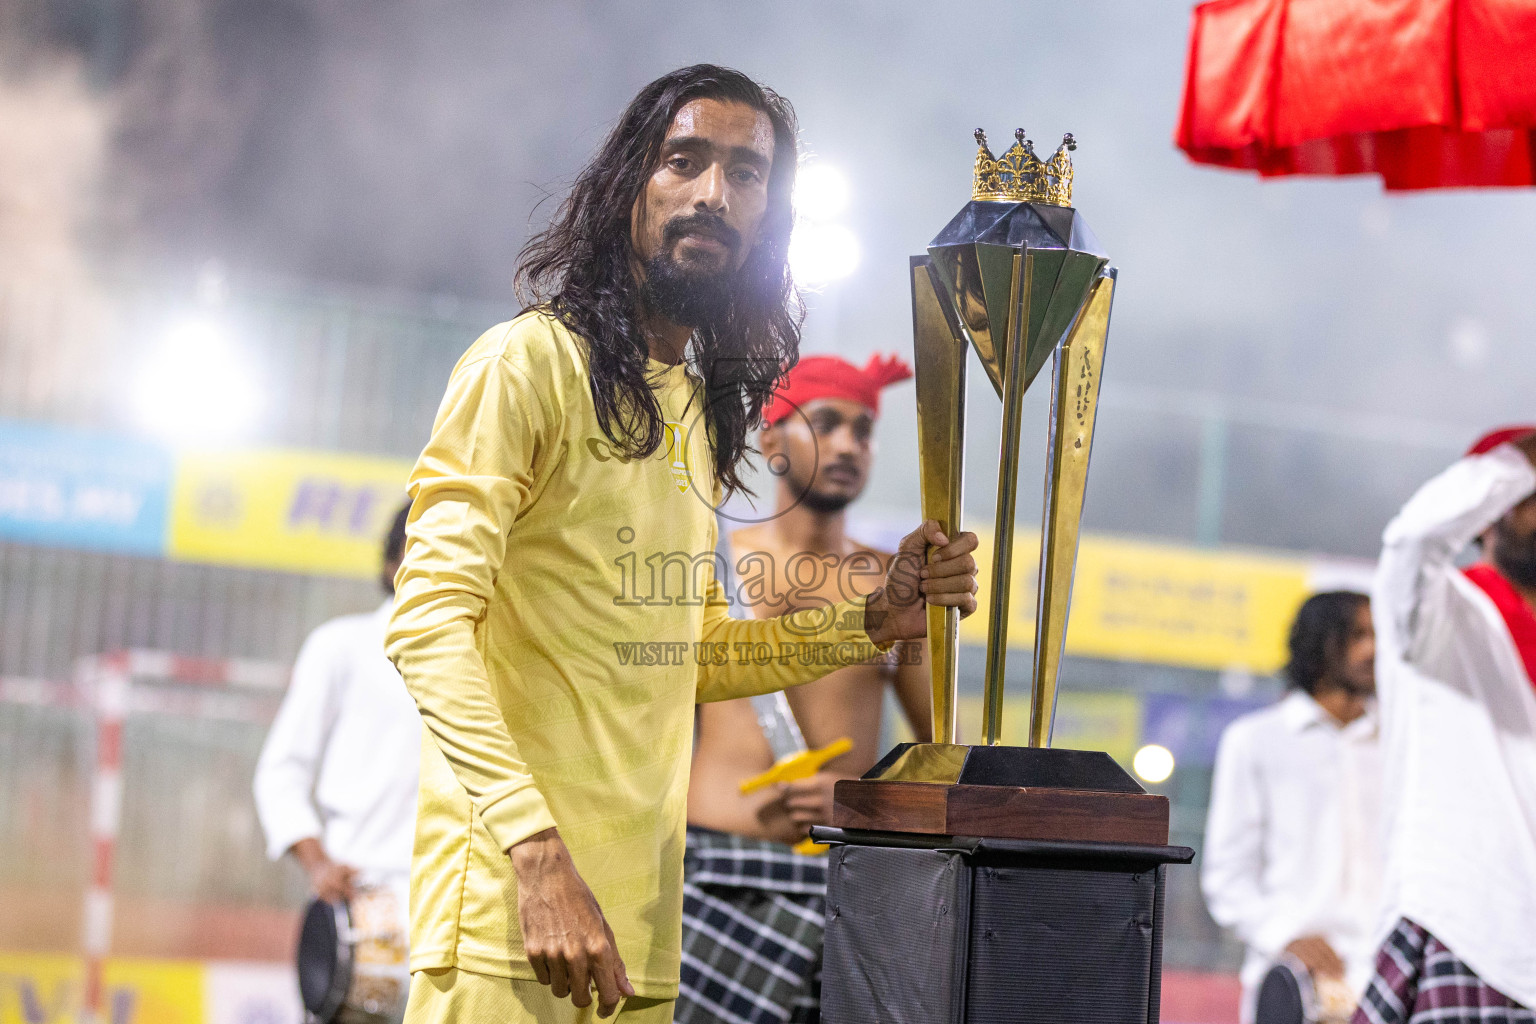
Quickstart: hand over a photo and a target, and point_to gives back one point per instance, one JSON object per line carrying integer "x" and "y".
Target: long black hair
{"x": 1319, "y": 634}
{"x": 580, "y": 269}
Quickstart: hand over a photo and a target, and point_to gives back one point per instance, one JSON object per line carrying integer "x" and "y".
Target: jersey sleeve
{"x": 476, "y": 473}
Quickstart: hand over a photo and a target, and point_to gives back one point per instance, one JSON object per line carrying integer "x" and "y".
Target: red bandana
{"x": 817, "y": 377}
{"x": 1491, "y": 440}
{"x": 1517, "y": 614}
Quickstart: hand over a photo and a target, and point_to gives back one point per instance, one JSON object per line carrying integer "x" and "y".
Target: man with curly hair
{"x": 558, "y": 614}
{"x": 1292, "y": 858}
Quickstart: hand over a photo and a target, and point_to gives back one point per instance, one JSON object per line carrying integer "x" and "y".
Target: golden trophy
{"x": 987, "y": 883}
{"x": 1016, "y": 277}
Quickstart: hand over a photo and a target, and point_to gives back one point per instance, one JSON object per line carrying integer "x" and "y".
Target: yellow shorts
{"x": 452, "y": 996}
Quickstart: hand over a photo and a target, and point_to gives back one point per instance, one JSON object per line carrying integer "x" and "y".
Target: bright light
{"x": 819, "y": 253}
{"x": 1153, "y": 763}
{"x": 197, "y": 386}
{"x": 821, "y": 192}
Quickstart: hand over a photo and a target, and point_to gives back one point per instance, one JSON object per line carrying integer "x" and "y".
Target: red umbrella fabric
{"x": 1426, "y": 93}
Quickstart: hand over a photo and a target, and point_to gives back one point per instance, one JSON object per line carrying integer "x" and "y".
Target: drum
{"x": 353, "y": 960}
{"x": 1290, "y": 995}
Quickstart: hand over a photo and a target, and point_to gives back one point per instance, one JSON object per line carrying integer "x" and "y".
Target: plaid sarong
{"x": 1418, "y": 980}
{"x": 753, "y": 916}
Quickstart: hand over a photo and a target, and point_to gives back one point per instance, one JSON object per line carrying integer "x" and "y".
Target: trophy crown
{"x": 1019, "y": 176}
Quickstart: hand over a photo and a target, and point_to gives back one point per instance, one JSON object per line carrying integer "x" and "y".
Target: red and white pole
{"x": 109, "y": 699}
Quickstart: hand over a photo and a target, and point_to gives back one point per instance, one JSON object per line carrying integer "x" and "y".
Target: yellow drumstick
{"x": 800, "y": 765}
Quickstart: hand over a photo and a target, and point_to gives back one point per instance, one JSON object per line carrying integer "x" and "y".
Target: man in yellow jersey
{"x": 557, "y": 615}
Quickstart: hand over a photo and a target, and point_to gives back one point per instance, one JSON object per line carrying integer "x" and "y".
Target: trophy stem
{"x": 1074, "y": 406}
{"x": 1007, "y": 493}
{"x": 940, "y": 352}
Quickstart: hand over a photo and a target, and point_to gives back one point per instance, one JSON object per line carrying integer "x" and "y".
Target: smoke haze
{"x": 1357, "y": 338}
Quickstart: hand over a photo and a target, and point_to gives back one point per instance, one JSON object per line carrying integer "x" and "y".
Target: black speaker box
{"x": 950, "y": 930}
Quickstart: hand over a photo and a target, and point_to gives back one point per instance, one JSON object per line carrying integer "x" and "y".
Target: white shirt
{"x": 340, "y": 764}
{"x": 1458, "y": 730}
{"x": 1292, "y": 843}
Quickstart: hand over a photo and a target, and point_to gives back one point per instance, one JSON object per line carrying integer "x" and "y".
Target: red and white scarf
{"x": 1512, "y": 605}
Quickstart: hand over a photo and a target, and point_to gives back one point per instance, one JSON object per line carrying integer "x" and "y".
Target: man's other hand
{"x": 332, "y": 882}
{"x": 567, "y": 940}
{"x": 1317, "y": 955}
{"x": 928, "y": 568}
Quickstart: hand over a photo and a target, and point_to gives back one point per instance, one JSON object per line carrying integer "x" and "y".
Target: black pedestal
{"x": 954, "y": 930}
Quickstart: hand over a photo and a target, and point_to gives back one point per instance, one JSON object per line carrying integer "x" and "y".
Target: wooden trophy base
{"x": 1031, "y": 793}
{"x": 993, "y": 885}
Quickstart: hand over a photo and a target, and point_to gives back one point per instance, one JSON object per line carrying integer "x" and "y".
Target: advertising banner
{"x": 48, "y": 988}
{"x": 325, "y": 513}
{"x": 299, "y": 511}
{"x": 1163, "y": 604}
{"x": 250, "y": 992}
{"x": 1157, "y": 603}
{"x": 43, "y": 988}
{"x": 77, "y": 489}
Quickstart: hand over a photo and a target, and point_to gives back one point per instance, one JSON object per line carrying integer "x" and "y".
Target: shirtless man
{"x": 739, "y": 867}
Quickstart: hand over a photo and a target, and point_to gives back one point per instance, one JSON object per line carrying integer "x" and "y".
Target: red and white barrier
{"x": 112, "y": 687}
{"x": 110, "y": 703}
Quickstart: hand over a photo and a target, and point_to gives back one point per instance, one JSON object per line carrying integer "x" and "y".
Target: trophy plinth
{"x": 971, "y": 884}
{"x": 1036, "y": 793}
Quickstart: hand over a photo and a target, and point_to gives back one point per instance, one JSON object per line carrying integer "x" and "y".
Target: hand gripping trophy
{"x": 1029, "y": 879}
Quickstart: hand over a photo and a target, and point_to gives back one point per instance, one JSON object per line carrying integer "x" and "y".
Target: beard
{"x": 1514, "y": 554}
{"x": 687, "y": 294}
{"x": 825, "y": 504}
{"x": 818, "y": 501}
{"x": 1362, "y": 687}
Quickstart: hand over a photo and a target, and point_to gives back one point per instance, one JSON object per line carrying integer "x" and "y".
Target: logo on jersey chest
{"x": 674, "y": 451}
{"x": 677, "y": 454}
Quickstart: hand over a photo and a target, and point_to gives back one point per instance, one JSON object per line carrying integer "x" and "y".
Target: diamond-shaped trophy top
{"x": 1020, "y": 206}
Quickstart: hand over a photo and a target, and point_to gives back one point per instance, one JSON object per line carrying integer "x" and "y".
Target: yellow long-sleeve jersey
{"x": 556, "y": 619}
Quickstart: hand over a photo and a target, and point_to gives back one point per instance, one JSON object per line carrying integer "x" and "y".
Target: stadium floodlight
{"x": 821, "y": 253}
{"x": 821, "y": 192}
{"x": 197, "y": 385}
{"x": 1153, "y": 763}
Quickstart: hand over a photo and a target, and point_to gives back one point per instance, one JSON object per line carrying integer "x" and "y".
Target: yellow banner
{"x": 1134, "y": 601}
{"x": 300, "y": 511}
{"x": 326, "y": 513}
{"x": 1158, "y": 603}
{"x": 1084, "y": 721}
{"x": 37, "y": 988}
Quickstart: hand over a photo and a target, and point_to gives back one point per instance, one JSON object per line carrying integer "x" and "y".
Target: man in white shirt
{"x": 1292, "y": 858}
{"x": 1457, "y": 658}
{"x": 336, "y": 781}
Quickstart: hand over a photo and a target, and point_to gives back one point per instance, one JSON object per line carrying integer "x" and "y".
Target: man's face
{"x": 698, "y": 216}
{"x": 834, "y": 439}
{"x": 1511, "y": 544}
{"x": 1356, "y": 670}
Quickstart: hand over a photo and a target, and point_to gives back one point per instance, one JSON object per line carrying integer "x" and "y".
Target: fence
{"x": 363, "y": 374}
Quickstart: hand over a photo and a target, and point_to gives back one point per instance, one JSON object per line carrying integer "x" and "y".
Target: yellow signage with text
{"x": 1158, "y": 603}
{"x": 299, "y": 511}
{"x": 40, "y": 988}
{"x": 1134, "y": 601}
{"x": 1084, "y": 721}
{"x": 325, "y": 513}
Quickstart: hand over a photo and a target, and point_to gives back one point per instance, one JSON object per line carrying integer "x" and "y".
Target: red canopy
{"x": 1426, "y": 93}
